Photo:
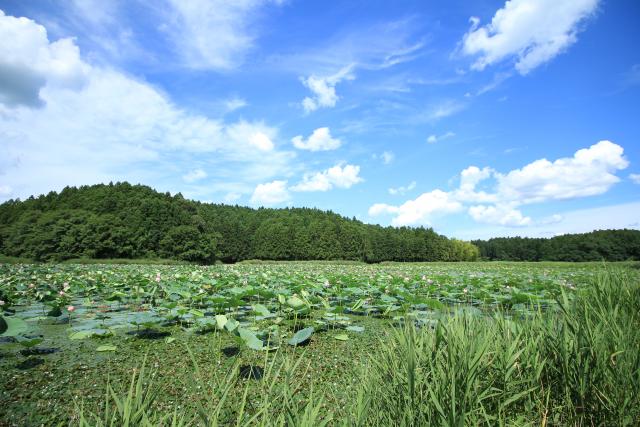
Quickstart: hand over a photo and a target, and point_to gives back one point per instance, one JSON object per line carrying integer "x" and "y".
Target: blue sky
{"x": 480, "y": 119}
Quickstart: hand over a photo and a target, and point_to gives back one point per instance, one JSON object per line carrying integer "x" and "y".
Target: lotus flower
{"x": 71, "y": 309}
{"x": 1, "y": 303}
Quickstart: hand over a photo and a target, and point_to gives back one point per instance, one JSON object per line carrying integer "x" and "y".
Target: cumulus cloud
{"x": 402, "y": 190}
{"x": 418, "y": 211}
{"x": 194, "y": 175}
{"x": 29, "y": 62}
{"x": 320, "y": 140}
{"x": 337, "y": 176}
{"x": 590, "y": 171}
{"x": 532, "y": 31}
{"x": 324, "y": 89}
{"x": 270, "y": 193}
{"x": 499, "y": 214}
{"x": 635, "y": 178}
{"x": 107, "y": 127}
{"x": 261, "y": 141}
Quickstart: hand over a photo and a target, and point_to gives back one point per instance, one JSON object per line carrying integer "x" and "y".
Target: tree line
{"x": 134, "y": 221}
{"x": 609, "y": 245}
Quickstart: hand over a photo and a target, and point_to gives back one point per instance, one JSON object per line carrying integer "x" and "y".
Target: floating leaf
{"x": 107, "y": 348}
{"x": 28, "y": 343}
{"x": 12, "y": 326}
{"x": 80, "y": 335}
{"x": 302, "y": 336}
{"x": 341, "y": 337}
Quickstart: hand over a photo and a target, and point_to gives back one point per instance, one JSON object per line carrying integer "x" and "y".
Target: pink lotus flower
{"x": 465, "y": 290}
{"x": 31, "y": 286}
{"x": 71, "y": 309}
{"x": 66, "y": 286}
{"x": 61, "y": 293}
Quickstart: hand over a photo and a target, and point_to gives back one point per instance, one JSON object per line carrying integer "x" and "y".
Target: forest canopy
{"x": 134, "y": 221}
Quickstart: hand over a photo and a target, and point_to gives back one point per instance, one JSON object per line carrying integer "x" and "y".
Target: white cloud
{"x": 432, "y": 139}
{"x": 439, "y": 111}
{"x": 106, "y": 128}
{"x": 533, "y": 31}
{"x": 576, "y": 221}
{"x": 635, "y": 178}
{"x": 420, "y": 210}
{"x": 261, "y": 141}
{"x": 212, "y": 34}
{"x": 387, "y": 157}
{"x": 29, "y": 62}
{"x": 499, "y": 214}
{"x": 234, "y": 104}
{"x": 324, "y": 89}
{"x": 270, "y": 193}
{"x": 337, "y": 176}
{"x": 591, "y": 171}
{"x": 402, "y": 190}
{"x": 5, "y": 190}
{"x": 371, "y": 47}
{"x": 194, "y": 175}
{"x": 232, "y": 197}
{"x": 320, "y": 140}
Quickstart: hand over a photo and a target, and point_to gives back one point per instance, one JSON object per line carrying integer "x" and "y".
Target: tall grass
{"x": 578, "y": 365}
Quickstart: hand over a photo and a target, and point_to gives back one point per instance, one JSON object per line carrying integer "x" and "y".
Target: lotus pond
{"x": 67, "y": 330}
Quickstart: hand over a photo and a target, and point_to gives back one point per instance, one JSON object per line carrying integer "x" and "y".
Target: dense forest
{"x": 134, "y": 221}
{"x": 610, "y": 245}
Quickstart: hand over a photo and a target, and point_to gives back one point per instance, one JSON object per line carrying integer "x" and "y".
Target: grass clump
{"x": 578, "y": 366}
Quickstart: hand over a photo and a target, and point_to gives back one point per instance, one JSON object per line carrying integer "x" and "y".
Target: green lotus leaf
{"x": 12, "y": 326}
{"x": 295, "y": 302}
{"x": 302, "y": 336}
{"x": 250, "y": 339}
